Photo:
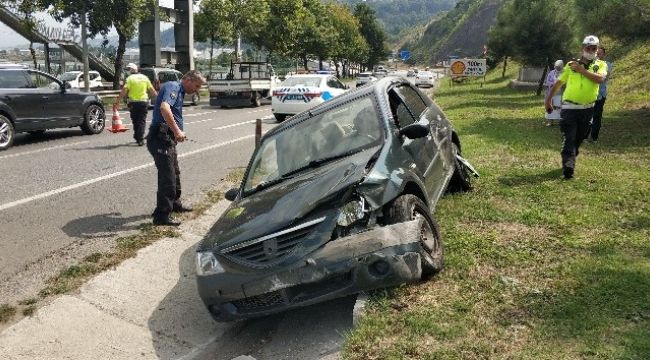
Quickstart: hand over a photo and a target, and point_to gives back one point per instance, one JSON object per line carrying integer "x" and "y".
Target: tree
{"x": 25, "y": 9}
{"x": 349, "y": 44}
{"x": 372, "y": 32}
{"x": 210, "y": 26}
{"x": 533, "y": 32}
{"x": 281, "y": 32}
{"x": 245, "y": 17}
{"x": 621, "y": 19}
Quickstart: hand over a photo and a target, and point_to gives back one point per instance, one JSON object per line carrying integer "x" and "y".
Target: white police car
{"x": 304, "y": 91}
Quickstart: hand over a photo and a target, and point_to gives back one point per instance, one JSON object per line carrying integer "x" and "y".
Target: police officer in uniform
{"x": 582, "y": 77}
{"x": 135, "y": 89}
{"x": 165, "y": 132}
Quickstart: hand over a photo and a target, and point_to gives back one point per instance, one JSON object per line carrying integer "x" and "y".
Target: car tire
{"x": 280, "y": 117}
{"x": 461, "y": 180}
{"x": 257, "y": 99}
{"x": 408, "y": 207}
{"x": 94, "y": 120}
{"x": 7, "y": 133}
{"x": 196, "y": 98}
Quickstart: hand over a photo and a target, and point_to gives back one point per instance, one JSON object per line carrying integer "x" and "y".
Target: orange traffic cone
{"x": 117, "y": 122}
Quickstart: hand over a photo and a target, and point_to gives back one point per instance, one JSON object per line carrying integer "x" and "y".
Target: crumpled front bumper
{"x": 378, "y": 258}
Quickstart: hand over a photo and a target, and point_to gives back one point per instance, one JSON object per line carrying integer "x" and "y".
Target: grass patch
{"x": 6, "y": 312}
{"x": 536, "y": 267}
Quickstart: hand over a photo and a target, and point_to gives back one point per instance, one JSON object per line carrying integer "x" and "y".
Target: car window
{"x": 400, "y": 111}
{"x": 302, "y": 80}
{"x": 148, "y": 73}
{"x": 165, "y": 76}
{"x": 93, "y": 76}
{"x": 13, "y": 79}
{"x": 346, "y": 128}
{"x": 42, "y": 81}
{"x": 331, "y": 82}
{"x": 413, "y": 100}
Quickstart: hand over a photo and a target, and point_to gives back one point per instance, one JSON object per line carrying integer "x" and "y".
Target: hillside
{"x": 462, "y": 31}
{"x": 401, "y": 15}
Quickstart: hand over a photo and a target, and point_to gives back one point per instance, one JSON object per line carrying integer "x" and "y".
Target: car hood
{"x": 287, "y": 203}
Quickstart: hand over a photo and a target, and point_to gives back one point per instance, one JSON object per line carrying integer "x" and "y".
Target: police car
{"x": 304, "y": 91}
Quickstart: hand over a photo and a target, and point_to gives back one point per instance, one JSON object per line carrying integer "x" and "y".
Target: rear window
{"x": 165, "y": 76}
{"x": 13, "y": 79}
{"x": 304, "y": 81}
{"x": 148, "y": 73}
{"x": 363, "y": 75}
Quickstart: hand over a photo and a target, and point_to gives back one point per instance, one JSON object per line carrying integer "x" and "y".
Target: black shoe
{"x": 168, "y": 221}
{"x": 182, "y": 208}
{"x": 568, "y": 173}
{"x": 140, "y": 142}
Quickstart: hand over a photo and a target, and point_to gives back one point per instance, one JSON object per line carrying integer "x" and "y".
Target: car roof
{"x": 12, "y": 66}
{"x": 310, "y": 75}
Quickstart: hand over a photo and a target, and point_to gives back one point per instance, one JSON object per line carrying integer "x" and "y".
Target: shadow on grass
{"x": 531, "y": 179}
{"x": 606, "y": 311}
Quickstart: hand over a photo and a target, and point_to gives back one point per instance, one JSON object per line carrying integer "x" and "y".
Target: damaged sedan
{"x": 337, "y": 200}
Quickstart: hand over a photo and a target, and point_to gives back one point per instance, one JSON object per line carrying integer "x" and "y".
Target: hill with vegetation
{"x": 462, "y": 31}
{"x": 400, "y": 16}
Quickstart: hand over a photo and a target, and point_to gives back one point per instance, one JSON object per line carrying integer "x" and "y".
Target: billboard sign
{"x": 468, "y": 67}
{"x": 404, "y": 55}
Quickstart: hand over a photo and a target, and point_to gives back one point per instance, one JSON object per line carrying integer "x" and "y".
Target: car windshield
{"x": 363, "y": 75}
{"x": 302, "y": 80}
{"x": 425, "y": 73}
{"x": 326, "y": 137}
{"x": 69, "y": 76}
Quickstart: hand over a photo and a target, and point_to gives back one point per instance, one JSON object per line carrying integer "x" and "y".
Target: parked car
{"x": 301, "y": 92}
{"x": 160, "y": 75}
{"x": 410, "y": 73}
{"x": 76, "y": 79}
{"x": 33, "y": 101}
{"x": 424, "y": 78}
{"x": 365, "y": 78}
{"x": 336, "y": 200}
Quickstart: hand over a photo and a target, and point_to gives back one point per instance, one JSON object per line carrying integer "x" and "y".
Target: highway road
{"x": 65, "y": 195}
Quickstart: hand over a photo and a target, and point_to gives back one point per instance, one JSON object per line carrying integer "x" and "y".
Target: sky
{"x": 9, "y": 38}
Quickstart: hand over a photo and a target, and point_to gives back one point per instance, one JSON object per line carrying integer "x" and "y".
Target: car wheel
{"x": 461, "y": 180}
{"x": 410, "y": 207}
{"x": 7, "y": 133}
{"x": 257, "y": 100}
{"x": 93, "y": 120}
{"x": 195, "y": 99}
{"x": 279, "y": 117}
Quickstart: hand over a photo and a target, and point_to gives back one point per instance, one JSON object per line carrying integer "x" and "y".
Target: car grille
{"x": 292, "y": 295}
{"x": 272, "y": 248}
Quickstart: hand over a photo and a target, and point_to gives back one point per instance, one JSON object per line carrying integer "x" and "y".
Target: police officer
{"x": 581, "y": 77}
{"x": 165, "y": 132}
{"x": 136, "y": 88}
{"x": 602, "y": 97}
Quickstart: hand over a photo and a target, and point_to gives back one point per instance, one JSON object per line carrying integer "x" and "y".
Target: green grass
{"x": 536, "y": 267}
{"x": 7, "y": 312}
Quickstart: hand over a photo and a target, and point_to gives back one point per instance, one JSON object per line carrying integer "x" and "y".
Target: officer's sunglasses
{"x": 591, "y": 48}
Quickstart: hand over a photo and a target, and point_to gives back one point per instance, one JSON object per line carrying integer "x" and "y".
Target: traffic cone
{"x": 117, "y": 122}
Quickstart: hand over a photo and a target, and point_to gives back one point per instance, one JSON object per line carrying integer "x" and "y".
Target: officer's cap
{"x": 559, "y": 63}
{"x": 590, "y": 40}
{"x": 132, "y": 66}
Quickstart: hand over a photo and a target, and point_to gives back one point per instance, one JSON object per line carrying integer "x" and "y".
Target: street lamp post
{"x": 84, "y": 46}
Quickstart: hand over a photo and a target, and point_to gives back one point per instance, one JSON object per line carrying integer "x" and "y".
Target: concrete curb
{"x": 129, "y": 312}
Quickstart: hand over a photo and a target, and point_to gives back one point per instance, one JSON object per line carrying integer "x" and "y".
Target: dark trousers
{"x": 138, "y": 110}
{"x": 575, "y": 129}
{"x": 162, "y": 146}
{"x": 598, "y": 117}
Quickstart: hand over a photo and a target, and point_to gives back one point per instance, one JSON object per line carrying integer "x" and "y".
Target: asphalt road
{"x": 65, "y": 195}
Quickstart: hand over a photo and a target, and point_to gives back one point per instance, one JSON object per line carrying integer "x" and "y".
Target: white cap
{"x": 132, "y": 66}
{"x": 559, "y": 63}
{"x": 590, "y": 40}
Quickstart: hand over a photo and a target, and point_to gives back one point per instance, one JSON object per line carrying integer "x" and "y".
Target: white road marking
{"x": 233, "y": 125}
{"x": 110, "y": 176}
{"x": 41, "y": 150}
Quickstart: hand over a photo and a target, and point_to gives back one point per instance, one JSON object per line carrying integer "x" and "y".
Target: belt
{"x": 568, "y": 104}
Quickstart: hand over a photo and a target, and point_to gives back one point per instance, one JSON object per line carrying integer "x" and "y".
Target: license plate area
{"x": 295, "y": 97}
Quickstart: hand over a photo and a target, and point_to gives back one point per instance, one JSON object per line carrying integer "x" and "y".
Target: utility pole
{"x": 84, "y": 46}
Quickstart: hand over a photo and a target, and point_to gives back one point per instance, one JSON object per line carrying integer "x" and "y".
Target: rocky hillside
{"x": 462, "y": 31}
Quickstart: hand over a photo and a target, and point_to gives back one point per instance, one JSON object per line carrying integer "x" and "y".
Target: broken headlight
{"x": 207, "y": 264}
{"x": 351, "y": 212}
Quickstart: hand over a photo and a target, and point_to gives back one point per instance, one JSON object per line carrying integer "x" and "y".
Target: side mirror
{"x": 414, "y": 131}
{"x": 231, "y": 194}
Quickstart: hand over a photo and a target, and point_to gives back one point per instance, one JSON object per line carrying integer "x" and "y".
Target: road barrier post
{"x": 258, "y": 132}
